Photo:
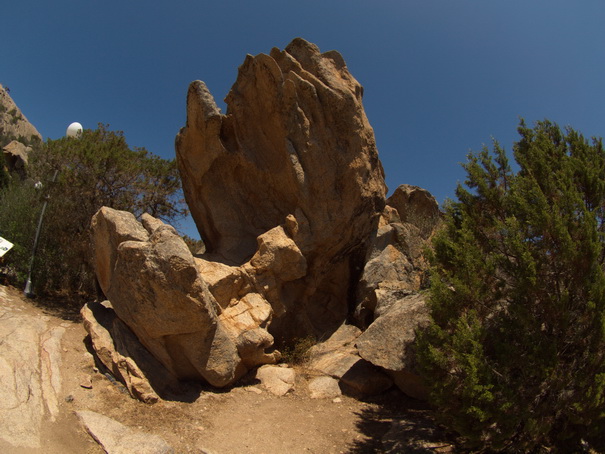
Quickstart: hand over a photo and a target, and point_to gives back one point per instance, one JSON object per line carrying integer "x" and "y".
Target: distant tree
{"x": 515, "y": 355}
{"x": 195, "y": 246}
{"x": 100, "y": 169}
{"x": 79, "y": 176}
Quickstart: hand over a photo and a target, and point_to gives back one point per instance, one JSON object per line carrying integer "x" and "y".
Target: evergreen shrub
{"x": 515, "y": 354}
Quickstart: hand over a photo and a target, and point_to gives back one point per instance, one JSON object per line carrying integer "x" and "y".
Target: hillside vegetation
{"x": 75, "y": 177}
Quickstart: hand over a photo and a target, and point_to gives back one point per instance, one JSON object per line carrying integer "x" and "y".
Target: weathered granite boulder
{"x": 294, "y": 149}
{"x": 155, "y": 287}
{"x": 277, "y": 380}
{"x": 416, "y": 206}
{"x": 16, "y": 155}
{"x": 389, "y": 342}
{"x": 324, "y": 387}
{"x": 124, "y": 356}
{"x": 338, "y": 358}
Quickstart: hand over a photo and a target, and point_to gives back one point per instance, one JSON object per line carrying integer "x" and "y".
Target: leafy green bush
{"x": 515, "y": 355}
{"x": 79, "y": 176}
{"x": 21, "y": 205}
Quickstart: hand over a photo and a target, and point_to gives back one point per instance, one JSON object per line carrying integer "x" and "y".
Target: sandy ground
{"x": 245, "y": 419}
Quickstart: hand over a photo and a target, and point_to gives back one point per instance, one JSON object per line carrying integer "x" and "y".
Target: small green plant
{"x": 298, "y": 352}
{"x": 196, "y": 247}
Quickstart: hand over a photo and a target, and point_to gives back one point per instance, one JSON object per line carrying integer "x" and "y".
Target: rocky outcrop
{"x": 418, "y": 207}
{"x": 16, "y": 134}
{"x": 389, "y": 342}
{"x": 12, "y": 121}
{"x": 156, "y": 289}
{"x": 120, "y": 351}
{"x": 16, "y": 156}
{"x": 389, "y": 307}
{"x": 294, "y": 149}
{"x": 395, "y": 266}
{"x": 339, "y": 359}
{"x": 288, "y": 194}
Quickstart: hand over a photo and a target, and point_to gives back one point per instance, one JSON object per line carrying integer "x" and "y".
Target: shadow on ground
{"x": 396, "y": 423}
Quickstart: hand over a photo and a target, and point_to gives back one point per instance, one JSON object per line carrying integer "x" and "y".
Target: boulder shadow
{"x": 396, "y": 423}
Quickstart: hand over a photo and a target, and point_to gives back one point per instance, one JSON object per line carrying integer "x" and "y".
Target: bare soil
{"x": 245, "y": 419}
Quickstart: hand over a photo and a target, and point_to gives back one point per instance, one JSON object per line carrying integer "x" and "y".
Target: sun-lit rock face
{"x": 288, "y": 193}
{"x": 16, "y": 134}
{"x": 155, "y": 287}
{"x": 13, "y": 121}
{"x": 294, "y": 149}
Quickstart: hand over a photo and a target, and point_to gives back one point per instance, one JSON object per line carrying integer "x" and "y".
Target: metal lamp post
{"x": 73, "y": 130}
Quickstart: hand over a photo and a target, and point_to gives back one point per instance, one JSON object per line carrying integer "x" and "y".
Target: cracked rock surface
{"x": 30, "y": 376}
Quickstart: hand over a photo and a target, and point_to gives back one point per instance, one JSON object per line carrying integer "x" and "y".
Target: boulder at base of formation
{"x": 155, "y": 287}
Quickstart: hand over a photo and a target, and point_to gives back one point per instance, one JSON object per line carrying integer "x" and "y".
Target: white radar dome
{"x": 74, "y": 130}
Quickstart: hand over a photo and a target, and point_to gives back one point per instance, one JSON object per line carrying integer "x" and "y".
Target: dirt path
{"x": 245, "y": 419}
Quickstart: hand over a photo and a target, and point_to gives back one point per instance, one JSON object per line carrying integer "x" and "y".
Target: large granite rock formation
{"x": 294, "y": 148}
{"x": 288, "y": 193}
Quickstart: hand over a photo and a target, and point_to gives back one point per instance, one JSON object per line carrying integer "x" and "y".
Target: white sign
{"x": 5, "y": 246}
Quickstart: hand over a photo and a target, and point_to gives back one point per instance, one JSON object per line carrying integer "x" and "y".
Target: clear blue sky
{"x": 441, "y": 77}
